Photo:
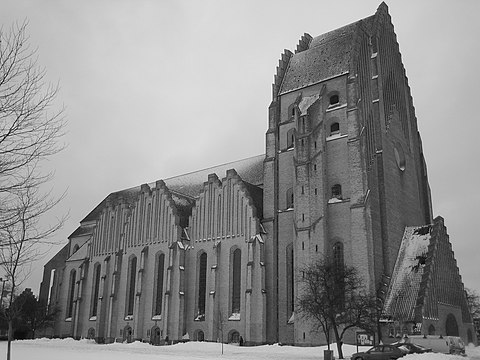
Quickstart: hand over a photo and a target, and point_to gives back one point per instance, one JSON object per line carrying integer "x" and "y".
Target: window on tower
{"x": 334, "y": 129}
{"x": 290, "y": 139}
{"x": 290, "y": 198}
{"x": 337, "y": 191}
{"x": 334, "y": 100}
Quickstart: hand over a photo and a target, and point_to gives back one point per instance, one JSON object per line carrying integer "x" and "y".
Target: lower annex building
{"x": 216, "y": 251}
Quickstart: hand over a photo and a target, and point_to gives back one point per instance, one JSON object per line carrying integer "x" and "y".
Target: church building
{"x": 213, "y": 254}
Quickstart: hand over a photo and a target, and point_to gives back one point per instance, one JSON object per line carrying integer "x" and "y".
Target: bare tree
{"x": 29, "y": 134}
{"x": 334, "y": 298}
{"x": 473, "y": 301}
{"x": 29, "y": 127}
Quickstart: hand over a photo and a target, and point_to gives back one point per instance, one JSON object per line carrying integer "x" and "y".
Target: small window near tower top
{"x": 334, "y": 129}
{"x": 337, "y": 191}
{"x": 293, "y": 111}
{"x": 334, "y": 100}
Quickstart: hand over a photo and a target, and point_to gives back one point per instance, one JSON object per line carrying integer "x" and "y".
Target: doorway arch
{"x": 127, "y": 334}
{"x": 156, "y": 336}
{"x": 451, "y": 326}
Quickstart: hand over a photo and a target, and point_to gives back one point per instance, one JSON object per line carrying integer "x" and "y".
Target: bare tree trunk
{"x": 338, "y": 340}
{"x": 10, "y": 338}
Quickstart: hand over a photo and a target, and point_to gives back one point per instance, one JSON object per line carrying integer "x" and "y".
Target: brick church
{"x": 213, "y": 254}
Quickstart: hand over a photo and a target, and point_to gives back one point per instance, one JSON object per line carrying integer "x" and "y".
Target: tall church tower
{"x": 344, "y": 172}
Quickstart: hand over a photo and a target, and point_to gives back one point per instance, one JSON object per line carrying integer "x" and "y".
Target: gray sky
{"x": 155, "y": 89}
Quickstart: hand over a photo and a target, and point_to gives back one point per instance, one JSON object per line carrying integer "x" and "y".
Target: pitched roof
{"x": 408, "y": 273}
{"x": 191, "y": 184}
{"x": 327, "y": 56}
{"x": 414, "y": 293}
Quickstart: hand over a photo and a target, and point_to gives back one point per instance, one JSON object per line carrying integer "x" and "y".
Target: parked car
{"x": 381, "y": 352}
{"x": 413, "y": 348}
{"x": 441, "y": 344}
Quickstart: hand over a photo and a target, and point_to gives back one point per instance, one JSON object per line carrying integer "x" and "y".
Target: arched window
{"x": 334, "y": 128}
{"x": 202, "y": 286}
{"x": 334, "y": 99}
{"x": 132, "y": 275}
{"x": 337, "y": 191}
{"x": 159, "y": 273}
{"x": 290, "y": 198}
{"x": 290, "y": 139}
{"x": 431, "y": 330}
{"x": 338, "y": 259}
{"x": 236, "y": 280}
{"x": 71, "y": 293}
{"x": 338, "y": 272}
{"x": 96, "y": 289}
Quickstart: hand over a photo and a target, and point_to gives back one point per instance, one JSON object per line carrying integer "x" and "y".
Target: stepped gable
{"x": 281, "y": 68}
{"x": 185, "y": 188}
{"x": 328, "y": 55}
{"x": 128, "y": 195}
{"x": 304, "y": 43}
{"x": 425, "y": 274}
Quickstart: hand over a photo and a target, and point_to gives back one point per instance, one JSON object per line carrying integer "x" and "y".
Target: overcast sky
{"x": 154, "y": 89}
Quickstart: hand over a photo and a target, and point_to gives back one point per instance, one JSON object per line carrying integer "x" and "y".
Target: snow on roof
{"x": 306, "y": 103}
{"x": 407, "y": 275}
{"x": 191, "y": 184}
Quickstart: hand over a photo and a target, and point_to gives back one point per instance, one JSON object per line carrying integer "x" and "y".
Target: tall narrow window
{"x": 289, "y": 198}
{"x": 131, "y": 285}
{"x": 159, "y": 284}
{"x": 71, "y": 293}
{"x": 290, "y": 139}
{"x": 338, "y": 255}
{"x": 338, "y": 263}
{"x": 236, "y": 278}
{"x": 96, "y": 288}
{"x": 290, "y": 280}
{"x": 202, "y": 286}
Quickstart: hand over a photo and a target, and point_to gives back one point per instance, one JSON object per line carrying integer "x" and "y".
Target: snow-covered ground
{"x": 69, "y": 349}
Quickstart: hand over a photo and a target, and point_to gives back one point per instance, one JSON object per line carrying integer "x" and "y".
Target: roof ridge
{"x": 212, "y": 167}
